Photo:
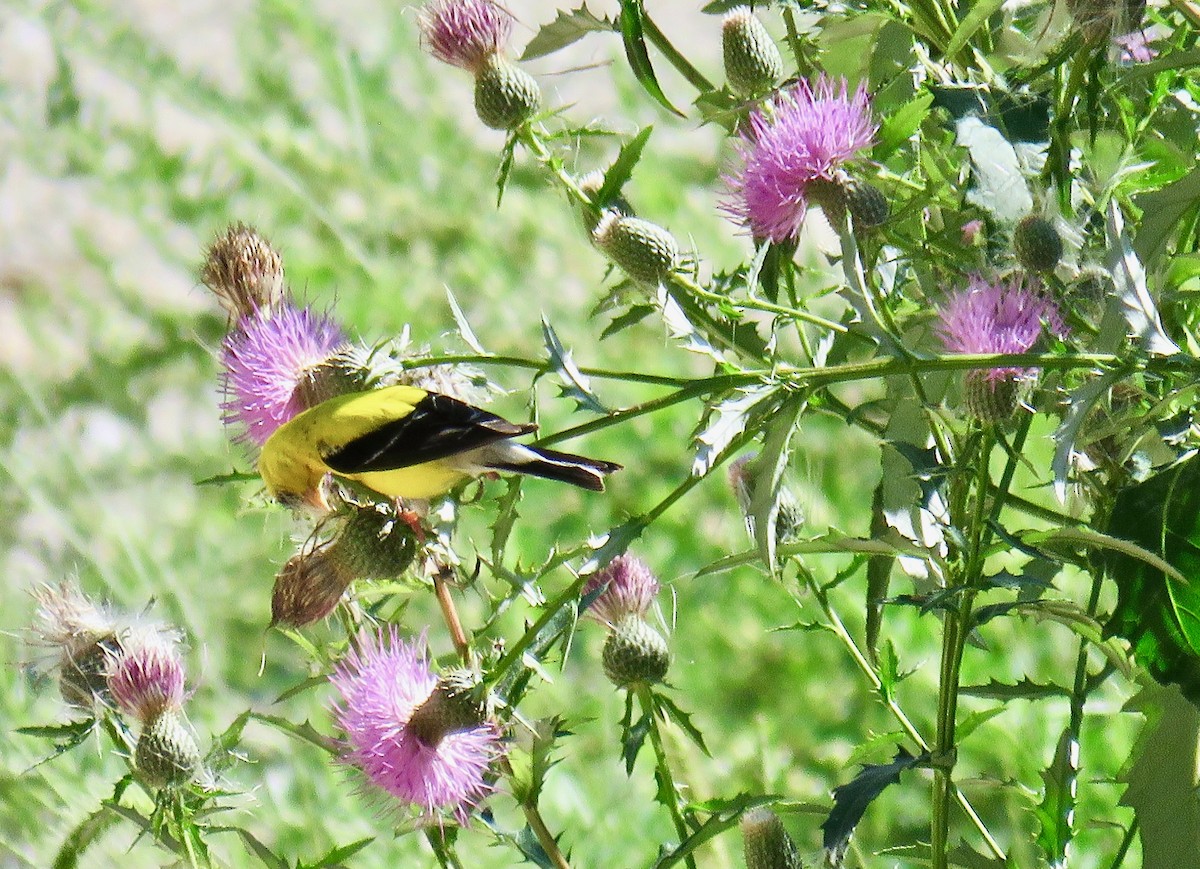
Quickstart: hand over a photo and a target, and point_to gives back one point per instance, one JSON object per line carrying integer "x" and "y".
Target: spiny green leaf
{"x": 622, "y": 168}
{"x": 339, "y": 854}
{"x": 850, "y": 800}
{"x": 1055, "y": 810}
{"x": 879, "y": 575}
{"x": 898, "y": 126}
{"x": 975, "y": 19}
{"x": 634, "y": 315}
{"x": 575, "y": 384}
{"x": 633, "y": 737}
{"x": 268, "y": 857}
{"x": 567, "y": 28}
{"x": 1025, "y": 689}
{"x": 671, "y": 711}
{"x": 639, "y": 59}
{"x": 772, "y": 462}
{"x": 85, "y": 834}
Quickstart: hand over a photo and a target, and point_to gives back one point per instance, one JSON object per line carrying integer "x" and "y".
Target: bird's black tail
{"x": 553, "y": 465}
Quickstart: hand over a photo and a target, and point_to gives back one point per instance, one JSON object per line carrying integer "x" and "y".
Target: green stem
{"x": 906, "y": 723}
{"x": 795, "y": 44}
{"x": 759, "y": 305}
{"x": 662, "y": 767}
{"x": 955, "y": 628}
{"x": 1126, "y": 842}
{"x": 659, "y": 40}
{"x": 738, "y": 341}
{"x": 833, "y": 374}
{"x": 443, "y": 849}
{"x": 695, "y": 390}
{"x": 542, "y": 366}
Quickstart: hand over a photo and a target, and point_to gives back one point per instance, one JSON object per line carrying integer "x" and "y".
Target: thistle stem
{"x": 906, "y": 723}
{"x": 662, "y": 767}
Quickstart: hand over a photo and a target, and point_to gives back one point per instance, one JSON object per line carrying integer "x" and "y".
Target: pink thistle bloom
{"x": 266, "y": 358}
{"x": 146, "y": 676}
{"x": 1136, "y": 47}
{"x": 383, "y": 683}
{"x": 1005, "y": 317}
{"x": 626, "y": 587}
{"x": 802, "y": 137}
{"x": 465, "y": 33}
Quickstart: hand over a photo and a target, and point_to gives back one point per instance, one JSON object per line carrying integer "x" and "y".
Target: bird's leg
{"x": 412, "y": 519}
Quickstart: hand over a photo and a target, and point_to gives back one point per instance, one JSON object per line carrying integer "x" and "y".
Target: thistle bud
{"x": 1037, "y": 244}
{"x": 340, "y": 373}
{"x": 789, "y": 518}
{"x": 591, "y": 184}
{"x": 166, "y": 753}
{"x": 373, "y": 544}
{"x": 635, "y": 653}
{"x": 505, "y": 95}
{"x": 767, "y": 843}
{"x": 644, "y": 250}
{"x": 866, "y": 203}
{"x": 994, "y": 399}
{"x": 244, "y": 272}
{"x": 453, "y": 706}
{"x": 81, "y": 679}
{"x": 308, "y": 588}
{"x": 753, "y": 64}
{"x": 79, "y": 636}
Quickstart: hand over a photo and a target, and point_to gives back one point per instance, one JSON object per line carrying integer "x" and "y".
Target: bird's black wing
{"x": 439, "y": 426}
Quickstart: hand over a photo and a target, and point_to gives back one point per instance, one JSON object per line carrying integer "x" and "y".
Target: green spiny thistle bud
{"x": 505, "y": 95}
{"x": 866, "y": 203}
{"x": 1037, "y": 244}
{"x": 635, "y": 653}
{"x": 753, "y": 64}
{"x": 831, "y": 198}
{"x": 454, "y": 705}
{"x": 644, "y": 250}
{"x": 767, "y": 843}
{"x": 373, "y": 544}
{"x": 308, "y": 588}
{"x": 166, "y": 753}
{"x": 994, "y": 400}
{"x": 342, "y": 372}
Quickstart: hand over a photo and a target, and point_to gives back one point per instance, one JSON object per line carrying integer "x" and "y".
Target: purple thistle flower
{"x": 465, "y": 33}
{"x": 626, "y": 587}
{"x": 801, "y": 138}
{"x": 266, "y": 358}
{"x": 383, "y": 683}
{"x": 1135, "y": 47}
{"x": 146, "y": 676}
{"x": 1005, "y": 317}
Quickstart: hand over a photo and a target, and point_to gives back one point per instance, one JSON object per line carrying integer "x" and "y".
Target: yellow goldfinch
{"x": 405, "y": 442}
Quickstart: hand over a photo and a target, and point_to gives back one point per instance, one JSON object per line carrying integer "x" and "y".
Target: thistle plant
{"x": 962, "y": 441}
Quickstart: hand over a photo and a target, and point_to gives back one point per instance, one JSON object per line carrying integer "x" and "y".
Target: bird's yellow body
{"x": 404, "y": 442}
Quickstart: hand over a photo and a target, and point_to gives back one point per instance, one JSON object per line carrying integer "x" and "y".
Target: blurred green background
{"x": 130, "y": 134}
